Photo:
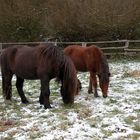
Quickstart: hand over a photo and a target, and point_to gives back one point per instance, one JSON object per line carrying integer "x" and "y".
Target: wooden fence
{"x": 118, "y": 47}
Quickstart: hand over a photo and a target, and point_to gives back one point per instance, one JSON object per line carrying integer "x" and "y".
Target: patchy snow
{"x": 114, "y": 118}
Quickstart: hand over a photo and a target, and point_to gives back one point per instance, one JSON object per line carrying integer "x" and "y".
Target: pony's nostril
{"x": 104, "y": 96}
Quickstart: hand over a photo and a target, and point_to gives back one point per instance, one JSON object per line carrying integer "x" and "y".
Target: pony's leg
{"x": 41, "y": 99}
{"x": 19, "y": 86}
{"x": 94, "y": 83}
{"x": 7, "y": 86}
{"x": 45, "y": 93}
{"x": 79, "y": 87}
{"x": 90, "y": 85}
{"x": 3, "y": 86}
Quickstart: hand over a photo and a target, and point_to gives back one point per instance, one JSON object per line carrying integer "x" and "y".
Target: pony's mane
{"x": 56, "y": 53}
{"x": 103, "y": 59}
{"x": 104, "y": 67}
{"x": 105, "y": 63}
{"x": 52, "y": 52}
{"x": 69, "y": 80}
{"x": 65, "y": 69}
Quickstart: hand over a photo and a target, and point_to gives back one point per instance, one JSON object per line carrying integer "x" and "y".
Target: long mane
{"x": 104, "y": 67}
{"x": 69, "y": 80}
{"x": 104, "y": 63}
{"x": 52, "y": 53}
{"x": 65, "y": 69}
{"x": 103, "y": 59}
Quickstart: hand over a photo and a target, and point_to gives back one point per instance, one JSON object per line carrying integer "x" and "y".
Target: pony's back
{"x": 78, "y": 56}
{"x": 85, "y": 58}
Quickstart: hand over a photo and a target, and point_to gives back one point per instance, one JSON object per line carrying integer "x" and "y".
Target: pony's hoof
{"x": 96, "y": 95}
{"x": 90, "y": 92}
{"x": 41, "y": 102}
{"x": 47, "y": 107}
{"x": 105, "y": 96}
{"x": 25, "y": 101}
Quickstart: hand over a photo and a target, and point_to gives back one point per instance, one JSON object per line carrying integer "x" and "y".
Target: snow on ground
{"x": 114, "y": 118}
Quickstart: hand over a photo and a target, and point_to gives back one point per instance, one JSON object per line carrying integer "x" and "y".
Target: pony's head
{"x": 69, "y": 81}
{"x": 104, "y": 83}
{"x": 103, "y": 76}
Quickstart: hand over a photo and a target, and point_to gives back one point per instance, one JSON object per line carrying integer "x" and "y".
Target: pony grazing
{"x": 93, "y": 60}
{"x": 43, "y": 62}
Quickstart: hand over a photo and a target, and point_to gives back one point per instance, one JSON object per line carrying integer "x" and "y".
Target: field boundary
{"x": 117, "y": 47}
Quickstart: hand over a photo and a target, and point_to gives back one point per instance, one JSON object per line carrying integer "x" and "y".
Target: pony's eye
{"x": 109, "y": 74}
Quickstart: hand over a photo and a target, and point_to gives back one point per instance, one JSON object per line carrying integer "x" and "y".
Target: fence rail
{"x": 124, "y": 49}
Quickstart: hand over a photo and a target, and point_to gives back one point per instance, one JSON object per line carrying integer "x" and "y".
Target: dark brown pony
{"x": 93, "y": 60}
{"x": 42, "y": 62}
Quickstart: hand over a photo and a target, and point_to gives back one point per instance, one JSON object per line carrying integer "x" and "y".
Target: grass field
{"x": 114, "y": 118}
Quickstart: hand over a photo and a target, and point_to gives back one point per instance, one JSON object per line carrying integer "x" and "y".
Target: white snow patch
{"x": 91, "y": 118}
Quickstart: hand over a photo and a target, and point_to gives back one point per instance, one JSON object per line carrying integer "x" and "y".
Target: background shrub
{"x": 69, "y": 20}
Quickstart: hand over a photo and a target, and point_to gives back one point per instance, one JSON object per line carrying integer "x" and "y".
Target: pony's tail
{"x": 0, "y": 58}
{"x": 69, "y": 81}
{"x": 2, "y": 73}
{"x": 6, "y": 75}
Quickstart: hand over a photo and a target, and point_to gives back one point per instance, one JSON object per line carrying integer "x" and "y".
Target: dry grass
{"x": 6, "y": 124}
{"x": 135, "y": 73}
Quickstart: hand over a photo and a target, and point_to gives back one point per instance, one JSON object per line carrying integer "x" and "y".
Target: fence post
{"x": 0, "y": 47}
{"x": 84, "y": 44}
{"x": 126, "y": 47}
{"x": 55, "y": 43}
{"x": 127, "y": 44}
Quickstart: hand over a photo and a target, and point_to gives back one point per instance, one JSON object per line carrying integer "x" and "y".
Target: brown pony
{"x": 43, "y": 62}
{"x": 93, "y": 60}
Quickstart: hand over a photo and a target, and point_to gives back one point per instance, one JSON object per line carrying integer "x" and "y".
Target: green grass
{"x": 59, "y": 118}
{"x": 137, "y": 126}
{"x": 106, "y": 133}
{"x": 129, "y": 120}
{"x": 133, "y": 136}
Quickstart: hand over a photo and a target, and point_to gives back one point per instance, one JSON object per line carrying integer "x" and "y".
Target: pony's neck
{"x": 104, "y": 68}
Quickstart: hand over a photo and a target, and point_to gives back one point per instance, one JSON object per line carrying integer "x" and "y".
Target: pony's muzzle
{"x": 104, "y": 96}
